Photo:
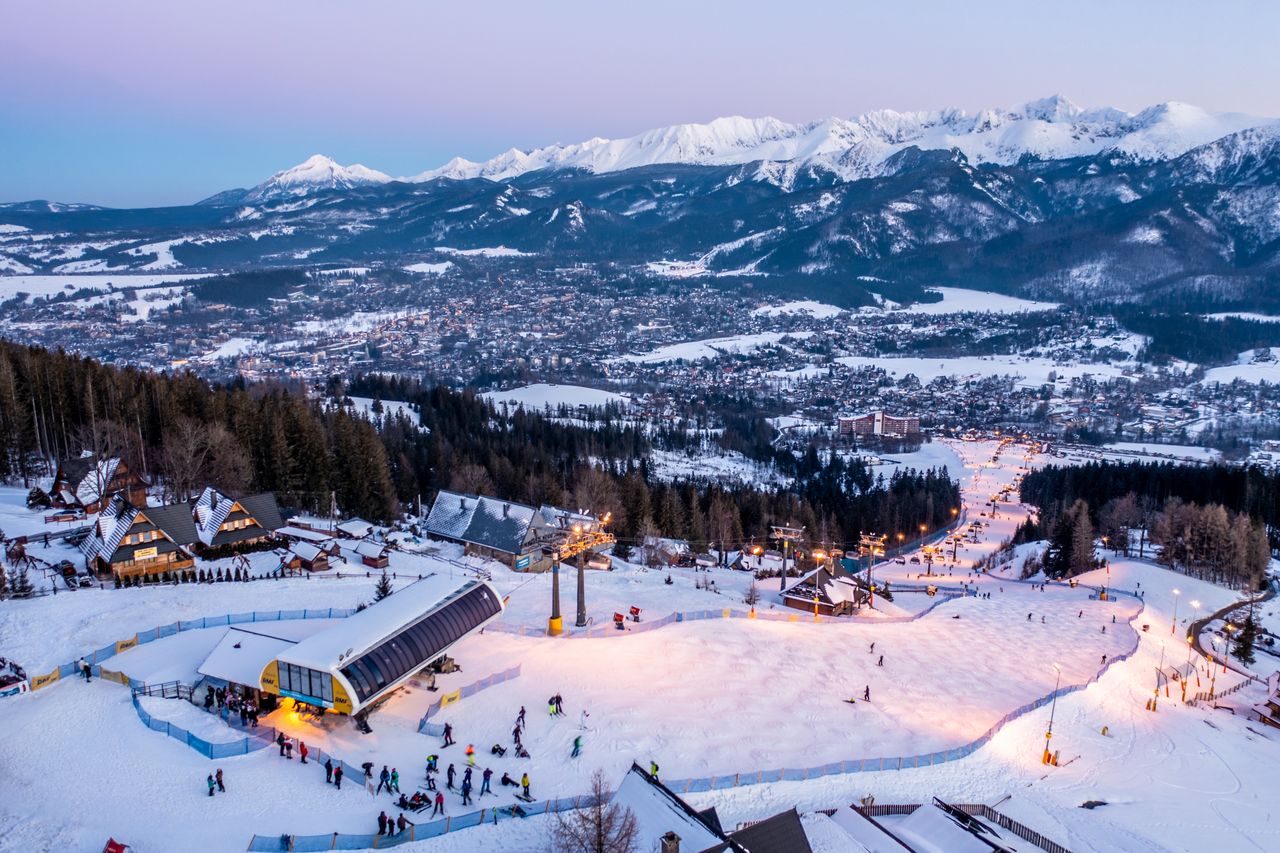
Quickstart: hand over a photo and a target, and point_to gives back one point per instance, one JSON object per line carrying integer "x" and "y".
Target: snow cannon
{"x": 635, "y": 614}
{"x": 617, "y": 622}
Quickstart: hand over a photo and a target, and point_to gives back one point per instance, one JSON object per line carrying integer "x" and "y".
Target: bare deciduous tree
{"x": 471, "y": 479}
{"x": 600, "y": 826}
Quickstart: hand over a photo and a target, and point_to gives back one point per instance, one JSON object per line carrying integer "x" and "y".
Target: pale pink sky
{"x": 131, "y": 103}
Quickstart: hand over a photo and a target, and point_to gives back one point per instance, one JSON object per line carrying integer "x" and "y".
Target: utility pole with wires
{"x": 788, "y": 535}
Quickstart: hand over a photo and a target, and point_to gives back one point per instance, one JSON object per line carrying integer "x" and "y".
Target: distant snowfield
{"x": 713, "y": 348}
{"x": 430, "y": 269}
{"x": 1247, "y": 370}
{"x": 360, "y": 321}
{"x": 957, "y": 300}
{"x": 1243, "y": 315}
{"x": 542, "y": 395}
{"x": 52, "y": 285}
{"x": 800, "y": 306}
{"x": 390, "y": 409}
{"x": 1033, "y": 372}
{"x": 230, "y": 348}
{"x": 493, "y": 252}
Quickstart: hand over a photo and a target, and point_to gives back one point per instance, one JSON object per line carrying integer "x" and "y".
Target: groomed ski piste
{"x": 712, "y": 697}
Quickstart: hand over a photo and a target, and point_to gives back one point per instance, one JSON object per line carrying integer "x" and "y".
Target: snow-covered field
{"x": 488, "y": 252}
{"x": 820, "y": 310}
{"x": 713, "y": 348}
{"x": 52, "y": 285}
{"x": 430, "y": 269}
{"x": 720, "y": 696}
{"x": 541, "y": 395}
{"x": 1247, "y": 369}
{"x": 956, "y": 300}
{"x": 1032, "y": 372}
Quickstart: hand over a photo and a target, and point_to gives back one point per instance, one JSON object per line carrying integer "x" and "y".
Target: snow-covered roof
{"x": 370, "y": 549}
{"x": 867, "y": 834}
{"x": 363, "y": 630}
{"x": 658, "y": 811}
{"x": 305, "y": 550}
{"x": 241, "y": 655}
{"x": 931, "y": 829}
{"x": 304, "y": 535}
{"x": 356, "y": 528}
{"x": 95, "y": 482}
{"x": 501, "y": 525}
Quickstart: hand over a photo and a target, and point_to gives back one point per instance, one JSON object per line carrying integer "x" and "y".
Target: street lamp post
{"x": 1173, "y": 628}
{"x": 1048, "y": 735}
{"x": 1195, "y": 605}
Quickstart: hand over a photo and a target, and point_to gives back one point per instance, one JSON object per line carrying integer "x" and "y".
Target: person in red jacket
{"x": 302, "y": 750}
{"x": 439, "y": 809}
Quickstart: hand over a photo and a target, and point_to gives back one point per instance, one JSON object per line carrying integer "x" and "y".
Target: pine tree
{"x": 19, "y": 584}
{"x": 383, "y": 589}
{"x": 1243, "y": 649}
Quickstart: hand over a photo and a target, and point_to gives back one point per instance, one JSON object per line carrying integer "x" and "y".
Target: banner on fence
{"x": 125, "y": 645}
{"x": 449, "y": 698}
{"x": 45, "y": 680}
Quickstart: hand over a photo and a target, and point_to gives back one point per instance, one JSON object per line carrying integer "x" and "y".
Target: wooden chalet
{"x": 221, "y": 520}
{"x": 1268, "y": 711}
{"x": 835, "y": 590}
{"x": 130, "y": 541}
{"x": 373, "y": 555}
{"x": 303, "y": 556}
{"x": 88, "y": 483}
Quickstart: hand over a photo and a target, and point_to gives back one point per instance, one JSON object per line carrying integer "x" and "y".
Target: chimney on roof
{"x": 462, "y": 503}
{"x": 670, "y": 843}
{"x": 506, "y": 510}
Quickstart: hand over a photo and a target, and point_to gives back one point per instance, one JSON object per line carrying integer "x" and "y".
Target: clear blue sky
{"x": 135, "y": 103}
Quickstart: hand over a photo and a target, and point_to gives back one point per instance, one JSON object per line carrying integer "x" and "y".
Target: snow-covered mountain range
{"x": 1171, "y": 204}
{"x": 851, "y": 149}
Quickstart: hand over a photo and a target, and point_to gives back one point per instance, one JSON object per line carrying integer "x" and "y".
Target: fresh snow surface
{"x": 713, "y": 348}
{"x": 52, "y": 285}
{"x": 230, "y": 348}
{"x": 489, "y": 252}
{"x": 1032, "y": 372}
{"x": 315, "y": 173}
{"x": 542, "y": 395}
{"x": 956, "y": 300}
{"x": 390, "y": 409}
{"x": 801, "y": 306}
{"x": 430, "y": 269}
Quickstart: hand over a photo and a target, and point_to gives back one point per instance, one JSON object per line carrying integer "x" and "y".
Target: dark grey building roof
{"x": 782, "y": 833}
{"x": 175, "y": 520}
{"x": 501, "y": 525}
{"x": 264, "y": 509}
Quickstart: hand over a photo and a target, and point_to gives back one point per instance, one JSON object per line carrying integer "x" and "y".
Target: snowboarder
{"x": 471, "y": 755}
{"x": 433, "y": 763}
{"x": 520, "y": 718}
{"x": 1080, "y": 615}
{"x": 866, "y": 694}
{"x": 328, "y": 770}
{"x": 1104, "y": 660}
{"x": 439, "y": 809}
{"x": 507, "y": 780}
{"x": 384, "y": 780}
{"x": 872, "y": 651}
{"x": 524, "y": 783}
{"x": 382, "y": 823}
{"x": 487, "y": 776}
{"x": 218, "y": 778}
{"x": 280, "y": 743}
{"x": 582, "y": 719}
{"x": 211, "y": 783}
{"x": 1028, "y": 617}
{"x": 1104, "y": 629}
{"x": 302, "y": 751}
{"x": 395, "y": 781}
{"x": 653, "y": 770}
{"x": 337, "y": 777}
{"x": 448, "y": 734}
{"x": 881, "y": 661}
{"x": 1041, "y": 618}
{"x": 577, "y": 747}
{"x": 559, "y": 705}
{"x": 1113, "y": 619}
{"x": 450, "y": 775}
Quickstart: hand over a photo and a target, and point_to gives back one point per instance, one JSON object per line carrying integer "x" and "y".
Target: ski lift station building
{"x": 352, "y": 665}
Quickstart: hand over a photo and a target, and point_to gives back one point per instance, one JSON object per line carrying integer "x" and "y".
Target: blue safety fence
{"x": 415, "y": 832}
{"x": 150, "y": 635}
{"x": 435, "y": 730}
{"x": 254, "y": 739}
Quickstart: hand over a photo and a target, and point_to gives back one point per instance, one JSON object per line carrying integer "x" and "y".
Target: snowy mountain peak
{"x": 1047, "y": 128}
{"x": 317, "y": 172}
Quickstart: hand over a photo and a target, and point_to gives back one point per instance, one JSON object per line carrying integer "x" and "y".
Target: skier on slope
{"x": 577, "y": 747}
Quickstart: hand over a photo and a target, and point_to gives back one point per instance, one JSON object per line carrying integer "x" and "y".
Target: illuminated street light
{"x": 1173, "y": 628}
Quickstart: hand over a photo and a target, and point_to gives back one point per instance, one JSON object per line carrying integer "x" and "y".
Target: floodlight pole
{"x": 582, "y": 591}
{"x": 555, "y": 625}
